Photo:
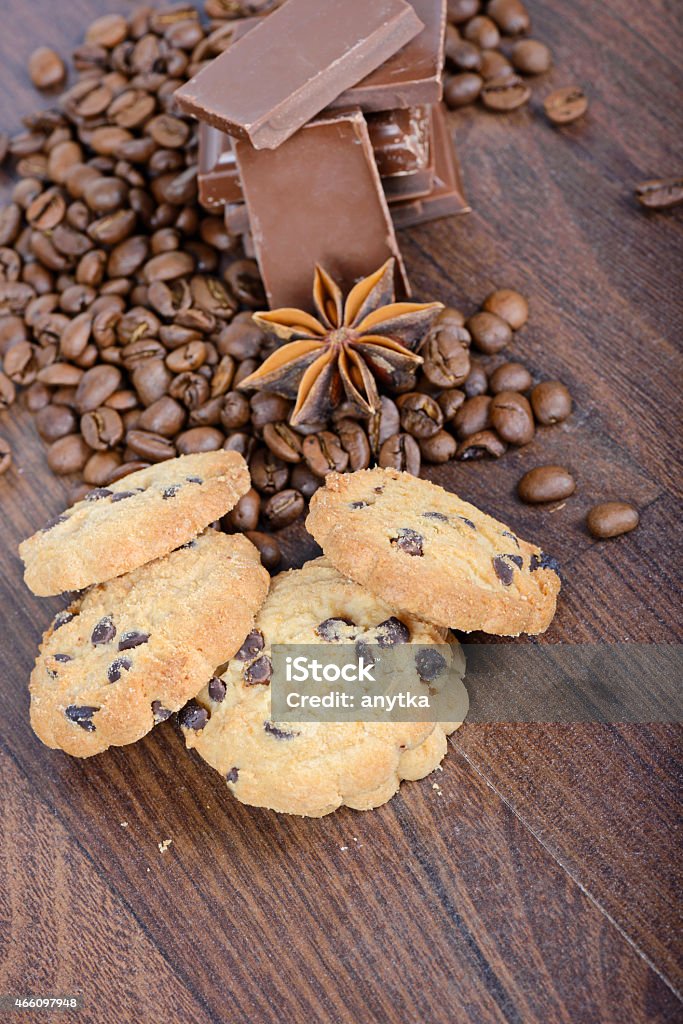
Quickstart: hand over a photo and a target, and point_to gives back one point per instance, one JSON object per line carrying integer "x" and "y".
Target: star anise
{"x": 348, "y": 351}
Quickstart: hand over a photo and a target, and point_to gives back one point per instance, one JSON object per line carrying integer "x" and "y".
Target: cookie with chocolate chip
{"x": 131, "y": 651}
{"x": 143, "y": 516}
{"x": 312, "y": 768}
{"x": 433, "y": 555}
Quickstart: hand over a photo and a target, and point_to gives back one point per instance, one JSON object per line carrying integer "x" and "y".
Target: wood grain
{"x": 539, "y": 881}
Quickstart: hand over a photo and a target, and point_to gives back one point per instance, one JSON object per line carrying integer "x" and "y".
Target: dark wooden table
{"x": 540, "y": 881}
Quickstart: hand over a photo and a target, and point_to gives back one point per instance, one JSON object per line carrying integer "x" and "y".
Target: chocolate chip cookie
{"x": 131, "y": 651}
{"x": 143, "y": 516}
{"x": 433, "y": 555}
{"x": 312, "y": 768}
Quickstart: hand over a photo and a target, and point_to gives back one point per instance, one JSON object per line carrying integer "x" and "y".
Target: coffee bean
{"x": 531, "y": 57}
{"x": 96, "y": 386}
{"x": 546, "y": 483}
{"x": 165, "y": 416}
{"x": 5, "y": 456}
{"x": 511, "y": 417}
{"x": 450, "y": 401}
{"x": 565, "y": 105}
{"x": 245, "y": 515}
{"x": 660, "y": 193}
{"x": 151, "y": 447}
{"x": 505, "y": 93}
{"x": 464, "y": 55}
{"x": 472, "y": 417}
{"x": 267, "y": 407}
{"x": 459, "y": 11}
{"x": 268, "y": 548}
{"x": 482, "y": 31}
{"x": 511, "y": 16}
{"x": 168, "y": 266}
{"x": 304, "y": 481}
{"x": 509, "y": 305}
{"x": 240, "y": 339}
{"x": 494, "y": 65}
{"x": 107, "y": 31}
{"x": 46, "y": 68}
{"x": 510, "y": 377}
{"x": 324, "y": 453}
{"x": 611, "y": 519}
{"x": 355, "y": 442}
{"x": 268, "y": 473}
{"x": 446, "y": 355}
{"x": 490, "y": 333}
{"x": 68, "y": 454}
{"x": 199, "y": 439}
{"x": 477, "y": 446}
{"x": 283, "y": 441}
{"x": 438, "y": 448}
{"x": 244, "y": 281}
{"x": 7, "y": 391}
{"x": 282, "y": 509}
{"x": 400, "y": 451}
{"x": 47, "y": 210}
{"x": 421, "y": 415}
{"x": 551, "y": 402}
{"x": 152, "y": 379}
{"x": 463, "y": 89}
{"x": 102, "y": 428}
{"x": 99, "y": 468}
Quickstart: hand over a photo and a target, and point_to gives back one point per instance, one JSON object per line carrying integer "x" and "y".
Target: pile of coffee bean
{"x": 486, "y": 59}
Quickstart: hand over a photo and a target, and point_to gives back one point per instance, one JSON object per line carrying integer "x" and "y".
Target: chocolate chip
{"x": 117, "y": 667}
{"x": 392, "y": 631}
{"x": 259, "y": 671}
{"x": 98, "y": 494}
{"x": 132, "y": 638}
{"x": 81, "y": 716}
{"x": 193, "y": 716}
{"x": 544, "y": 561}
{"x": 409, "y": 541}
{"x": 280, "y": 734}
{"x": 194, "y": 480}
{"x": 429, "y": 664}
{"x": 217, "y": 689}
{"x": 439, "y": 516}
{"x": 332, "y": 629}
{"x": 190, "y": 544}
{"x": 170, "y": 492}
{"x": 504, "y": 571}
{"x": 364, "y": 651}
{"x": 61, "y": 619}
{"x": 122, "y": 495}
{"x": 54, "y": 522}
{"x": 63, "y": 657}
{"x": 506, "y": 533}
{"x": 467, "y": 522}
{"x": 104, "y": 632}
{"x": 358, "y": 504}
{"x": 233, "y": 775}
{"x": 251, "y": 646}
{"x": 160, "y": 712}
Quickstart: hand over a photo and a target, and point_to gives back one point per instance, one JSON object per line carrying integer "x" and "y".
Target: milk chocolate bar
{"x": 446, "y": 197}
{"x": 412, "y": 76}
{"x": 217, "y": 176}
{"x": 317, "y": 198}
{"x": 293, "y": 63}
{"x": 402, "y": 142}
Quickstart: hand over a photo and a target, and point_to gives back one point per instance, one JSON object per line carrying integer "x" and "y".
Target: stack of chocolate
{"x": 321, "y": 131}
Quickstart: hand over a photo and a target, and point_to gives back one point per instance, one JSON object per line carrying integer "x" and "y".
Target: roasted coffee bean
{"x": 505, "y": 93}
{"x": 127, "y": 257}
{"x": 207, "y": 415}
{"x": 511, "y": 16}
{"x": 267, "y": 407}
{"x": 168, "y": 266}
{"x": 510, "y": 377}
{"x": 187, "y": 357}
{"x": 463, "y": 89}
{"x": 531, "y": 57}
{"x": 8, "y": 392}
{"x": 68, "y": 454}
{"x": 108, "y": 31}
{"x": 95, "y": 387}
{"x": 20, "y": 363}
{"x": 245, "y": 515}
{"x": 46, "y": 68}
{"x": 304, "y": 481}
{"x": 450, "y": 401}
{"x": 472, "y": 417}
{"x": 99, "y": 468}
{"x": 55, "y": 421}
{"x": 482, "y": 31}
{"x": 105, "y": 194}
{"x": 126, "y": 468}
{"x": 355, "y": 441}
{"x": 235, "y": 412}
{"x": 199, "y": 439}
{"x": 546, "y": 483}
{"x": 244, "y": 370}
{"x": 459, "y": 11}
{"x": 421, "y": 415}
{"x": 268, "y": 548}
{"x": 36, "y": 397}
{"x": 5, "y": 456}
{"x": 240, "y": 339}
{"x": 476, "y": 446}
{"x": 152, "y": 379}
{"x": 189, "y": 388}
{"x": 151, "y": 447}
{"x": 611, "y": 519}
{"x": 268, "y": 473}
{"x": 551, "y": 402}
{"x": 283, "y": 441}
{"x": 490, "y": 333}
{"x": 244, "y": 281}
{"x": 400, "y": 451}
{"x": 438, "y": 448}
{"x": 565, "y": 105}
{"x": 509, "y": 305}
{"x": 47, "y": 210}
{"x": 324, "y": 454}
{"x": 102, "y": 428}
{"x": 463, "y": 55}
{"x": 512, "y": 418}
{"x": 660, "y": 193}
{"x": 282, "y": 509}
{"x": 494, "y": 65}
{"x": 14, "y": 297}
{"x": 446, "y": 355}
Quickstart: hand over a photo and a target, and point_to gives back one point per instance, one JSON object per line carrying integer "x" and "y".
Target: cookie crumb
{"x": 164, "y": 845}
{"x": 123, "y": 824}
{"x": 437, "y": 788}
{"x": 343, "y": 847}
